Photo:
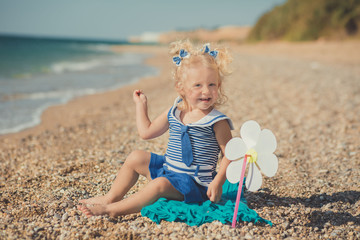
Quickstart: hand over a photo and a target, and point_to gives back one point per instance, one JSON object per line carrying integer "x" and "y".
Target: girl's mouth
{"x": 205, "y": 99}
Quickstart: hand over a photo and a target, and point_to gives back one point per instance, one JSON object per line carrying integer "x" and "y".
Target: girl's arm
{"x": 223, "y": 135}
{"x": 146, "y": 128}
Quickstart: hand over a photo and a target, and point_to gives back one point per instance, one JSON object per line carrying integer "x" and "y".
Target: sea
{"x": 36, "y": 73}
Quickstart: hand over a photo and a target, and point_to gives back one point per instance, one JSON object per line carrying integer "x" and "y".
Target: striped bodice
{"x": 205, "y": 149}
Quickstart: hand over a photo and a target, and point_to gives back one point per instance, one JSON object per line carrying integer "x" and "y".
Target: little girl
{"x": 198, "y": 132}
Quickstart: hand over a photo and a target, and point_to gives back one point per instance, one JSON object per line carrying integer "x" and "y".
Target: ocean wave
{"x": 99, "y": 47}
{"x": 33, "y": 120}
{"x": 114, "y": 61}
{"x": 64, "y": 95}
{"x": 74, "y": 66}
{"x": 23, "y": 99}
{"x": 96, "y": 47}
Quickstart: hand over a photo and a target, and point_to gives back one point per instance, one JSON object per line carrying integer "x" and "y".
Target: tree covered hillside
{"x": 298, "y": 20}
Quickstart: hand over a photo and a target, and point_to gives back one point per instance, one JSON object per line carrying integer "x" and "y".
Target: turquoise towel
{"x": 197, "y": 214}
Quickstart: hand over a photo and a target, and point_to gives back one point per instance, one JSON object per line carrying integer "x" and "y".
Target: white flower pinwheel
{"x": 259, "y": 146}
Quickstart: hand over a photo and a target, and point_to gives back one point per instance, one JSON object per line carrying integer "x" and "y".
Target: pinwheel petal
{"x": 235, "y": 149}
{"x": 233, "y": 171}
{"x": 266, "y": 142}
{"x": 253, "y": 179}
{"x": 250, "y": 132}
{"x": 268, "y": 163}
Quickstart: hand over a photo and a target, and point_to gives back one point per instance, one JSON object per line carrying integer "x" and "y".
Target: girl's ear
{"x": 180, "y": 88}
{"x": 182, "y": 92}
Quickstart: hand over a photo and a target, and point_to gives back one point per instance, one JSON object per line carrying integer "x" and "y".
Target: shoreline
{"x": 49, "y": 118}
{"x": 52, "y": 116}
{"x": 311, "y": 108}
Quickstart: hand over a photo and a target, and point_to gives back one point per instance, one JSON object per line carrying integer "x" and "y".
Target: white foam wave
{"x": 60, "y": 96}
{"x": 74, "y": 66}
{"x": 64, "y": 95}
{"x": 35, "y": 120}
{"x": 99, "y": 47}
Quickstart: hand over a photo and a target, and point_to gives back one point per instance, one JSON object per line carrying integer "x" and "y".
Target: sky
{"x": 121, "y": 19}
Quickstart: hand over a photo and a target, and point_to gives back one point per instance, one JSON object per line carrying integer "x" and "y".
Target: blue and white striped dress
{"x": 204, "y": 145}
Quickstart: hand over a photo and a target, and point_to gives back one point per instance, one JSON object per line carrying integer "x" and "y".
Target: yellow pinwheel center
{"x": 252, "y": 155}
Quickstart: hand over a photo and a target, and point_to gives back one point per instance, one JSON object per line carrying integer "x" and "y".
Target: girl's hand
{"x": 214, "y": 192}
{"x": 148, "y": 129}
{"x": 139, "y": 96}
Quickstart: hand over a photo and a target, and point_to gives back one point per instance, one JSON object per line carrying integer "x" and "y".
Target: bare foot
{"x": 102, "y": 200}
{"x": 92, "y": 210}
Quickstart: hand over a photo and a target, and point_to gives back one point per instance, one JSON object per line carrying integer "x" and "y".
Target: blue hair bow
{"x": 212, "y": 53}
{"x": 183, "y": 54}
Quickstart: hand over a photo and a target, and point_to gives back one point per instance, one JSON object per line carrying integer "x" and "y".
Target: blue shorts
{"x": 184, "y": 183}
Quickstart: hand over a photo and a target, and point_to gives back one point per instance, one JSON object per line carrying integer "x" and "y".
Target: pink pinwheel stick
{"x": 239, "y": 192}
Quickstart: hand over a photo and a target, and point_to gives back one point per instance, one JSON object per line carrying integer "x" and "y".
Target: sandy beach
{"x": 308, "y": 94}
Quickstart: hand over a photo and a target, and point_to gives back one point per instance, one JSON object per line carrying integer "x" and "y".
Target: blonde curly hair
{"x": 197, "y": 56}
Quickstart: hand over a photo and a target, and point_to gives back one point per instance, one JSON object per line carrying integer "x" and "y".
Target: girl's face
{"x": 200, "y": 87}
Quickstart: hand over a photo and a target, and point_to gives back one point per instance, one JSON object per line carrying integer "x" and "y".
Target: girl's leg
{"x": 137, "y": 163}
{"x": 155, "y": 189}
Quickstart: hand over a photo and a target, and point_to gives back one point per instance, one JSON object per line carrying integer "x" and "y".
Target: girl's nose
{"x": 205, "y": 90}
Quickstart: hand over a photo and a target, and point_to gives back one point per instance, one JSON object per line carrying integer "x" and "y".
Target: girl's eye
{"x": 197, "y": 85}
